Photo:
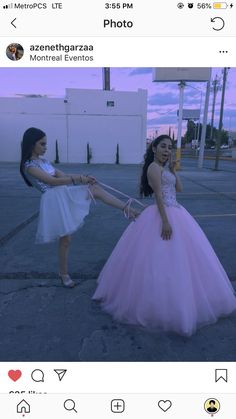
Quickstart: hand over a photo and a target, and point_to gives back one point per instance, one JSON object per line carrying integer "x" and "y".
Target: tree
{"x": 191, "y": 132}
{"x": 56, "y": 161}
{"x": 224, "y": 137}
{"x": 117, "y": 154}
{"x": 209, "y": 131}
{"x": 89, "y": 153}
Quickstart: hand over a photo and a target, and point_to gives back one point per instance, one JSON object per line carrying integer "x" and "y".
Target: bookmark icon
{"x": 221, "y": 374}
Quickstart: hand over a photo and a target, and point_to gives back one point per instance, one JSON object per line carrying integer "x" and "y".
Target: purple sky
{"x": 163, "y": 98}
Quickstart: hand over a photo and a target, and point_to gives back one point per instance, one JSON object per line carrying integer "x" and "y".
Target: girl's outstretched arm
{"x": 57, "y": 181}
{"x": 84, "y": 178}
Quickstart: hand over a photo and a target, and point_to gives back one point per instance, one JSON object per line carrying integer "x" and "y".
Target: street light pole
{"x": 218, "y": 143}
{"x": 199, "y": 123}
{"x": 204, "y": 124}
{"x": 216, "y": 87}
{"x": 179, "y": 136}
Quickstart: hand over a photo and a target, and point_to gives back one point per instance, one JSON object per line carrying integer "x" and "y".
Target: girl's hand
{"x": 84, "y": 180}
{"x": 90, "y": 179}
{"x": 166, "y": 231}
{"x": 172, "y": 163}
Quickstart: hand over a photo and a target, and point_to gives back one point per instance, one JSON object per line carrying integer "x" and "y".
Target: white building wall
{"x": 123, "y": 130}
{"x": 82, "y": 117}
{"x": 18, "y": 114}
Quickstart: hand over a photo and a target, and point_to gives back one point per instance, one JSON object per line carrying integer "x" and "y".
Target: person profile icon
{"x": 14, "y": 52}
{"x": 212, "y": 406}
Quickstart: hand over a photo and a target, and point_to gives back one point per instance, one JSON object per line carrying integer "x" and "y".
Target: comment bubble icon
{"x": 37, "y": 376}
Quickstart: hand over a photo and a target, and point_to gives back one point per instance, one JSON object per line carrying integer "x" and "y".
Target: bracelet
{"x": 82, "y": 180}
{"x": 73, "y": 180}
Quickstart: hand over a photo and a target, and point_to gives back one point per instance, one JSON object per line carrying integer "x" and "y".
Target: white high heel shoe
{"x": 66, "y": 280}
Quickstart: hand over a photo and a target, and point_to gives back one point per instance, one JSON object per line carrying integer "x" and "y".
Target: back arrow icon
{"x": 222, "y": 21}
{"x": 12, "y": 22}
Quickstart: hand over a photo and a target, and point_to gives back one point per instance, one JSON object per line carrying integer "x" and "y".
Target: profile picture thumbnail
{"x": 212, "y": 406}
{"x": 15, "y": 52}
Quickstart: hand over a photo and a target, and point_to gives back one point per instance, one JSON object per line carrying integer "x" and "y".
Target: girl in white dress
{"x": 65, "y": 198}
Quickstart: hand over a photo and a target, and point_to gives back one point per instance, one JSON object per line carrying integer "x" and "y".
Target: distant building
{"x": 232, "y": 138}
{"x": 101, "y": 118}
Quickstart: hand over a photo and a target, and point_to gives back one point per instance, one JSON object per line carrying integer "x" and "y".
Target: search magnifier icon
{"x": 69, "y": 405}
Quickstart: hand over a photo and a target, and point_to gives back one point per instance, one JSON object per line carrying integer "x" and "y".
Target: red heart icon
{"x": 14, "y": 375}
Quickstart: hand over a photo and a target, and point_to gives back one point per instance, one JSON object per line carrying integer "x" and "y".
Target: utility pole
{"x": 181, "y": 85}
{"x": 218, "y": 143}
{"x": 106, "y": 78}
{"x": 216, "y": 88}
{"x": 204, "y": 124}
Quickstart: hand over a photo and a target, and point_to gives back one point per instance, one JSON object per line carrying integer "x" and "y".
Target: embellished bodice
{"x": 44, "y": 165}
{"x": 168, "y": 182}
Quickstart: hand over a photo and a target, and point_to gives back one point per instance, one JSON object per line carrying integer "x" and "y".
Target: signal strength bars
{"x": 8, "y": 6}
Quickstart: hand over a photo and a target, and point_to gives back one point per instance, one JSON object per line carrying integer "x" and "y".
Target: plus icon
{"x": 117, "y": 406}
{"x": 231, "y": 5}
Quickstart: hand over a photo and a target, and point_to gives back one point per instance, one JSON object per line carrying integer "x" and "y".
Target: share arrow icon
{"x": 60, "y": 373}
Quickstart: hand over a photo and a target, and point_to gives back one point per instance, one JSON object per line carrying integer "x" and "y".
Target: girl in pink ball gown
{"x": 163, "y": 272}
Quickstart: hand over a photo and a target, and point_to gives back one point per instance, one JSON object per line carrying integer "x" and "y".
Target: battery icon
{"x": 220, "y": 5}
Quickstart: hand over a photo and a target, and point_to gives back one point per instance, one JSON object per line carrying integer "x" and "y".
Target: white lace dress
{"x": 175, "y": 285}
{"x": 62, "y": 208}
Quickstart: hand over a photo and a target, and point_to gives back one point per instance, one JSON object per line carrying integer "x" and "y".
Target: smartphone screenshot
{"x": 118, "y": 209}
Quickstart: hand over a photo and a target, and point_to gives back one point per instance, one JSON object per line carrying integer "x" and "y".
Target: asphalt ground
{"x": 42, "y": 321}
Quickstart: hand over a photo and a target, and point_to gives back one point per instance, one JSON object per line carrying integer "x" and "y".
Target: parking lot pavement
{"x": 42, "y": 321}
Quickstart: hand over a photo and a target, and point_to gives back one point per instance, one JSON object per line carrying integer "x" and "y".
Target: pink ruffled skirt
{"x": 175, "y": 285}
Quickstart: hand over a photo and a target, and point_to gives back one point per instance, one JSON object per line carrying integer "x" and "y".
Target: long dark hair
{"x": 145, "y": 188}
{"x": 30, "y": 138}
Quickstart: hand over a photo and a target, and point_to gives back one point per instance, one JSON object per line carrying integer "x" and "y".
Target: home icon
{"x": 23, "y": 407}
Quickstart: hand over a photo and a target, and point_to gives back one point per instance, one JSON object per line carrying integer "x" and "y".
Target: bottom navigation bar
{"x": 138, "y": 406}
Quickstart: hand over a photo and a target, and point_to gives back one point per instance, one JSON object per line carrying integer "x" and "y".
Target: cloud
{"x": 163, "y": 110}
{"x": 163, "y": 99}
{"x": 138, "y": 71}
{"x": 230, "y": 113}
{"x": 166, "y": 119}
